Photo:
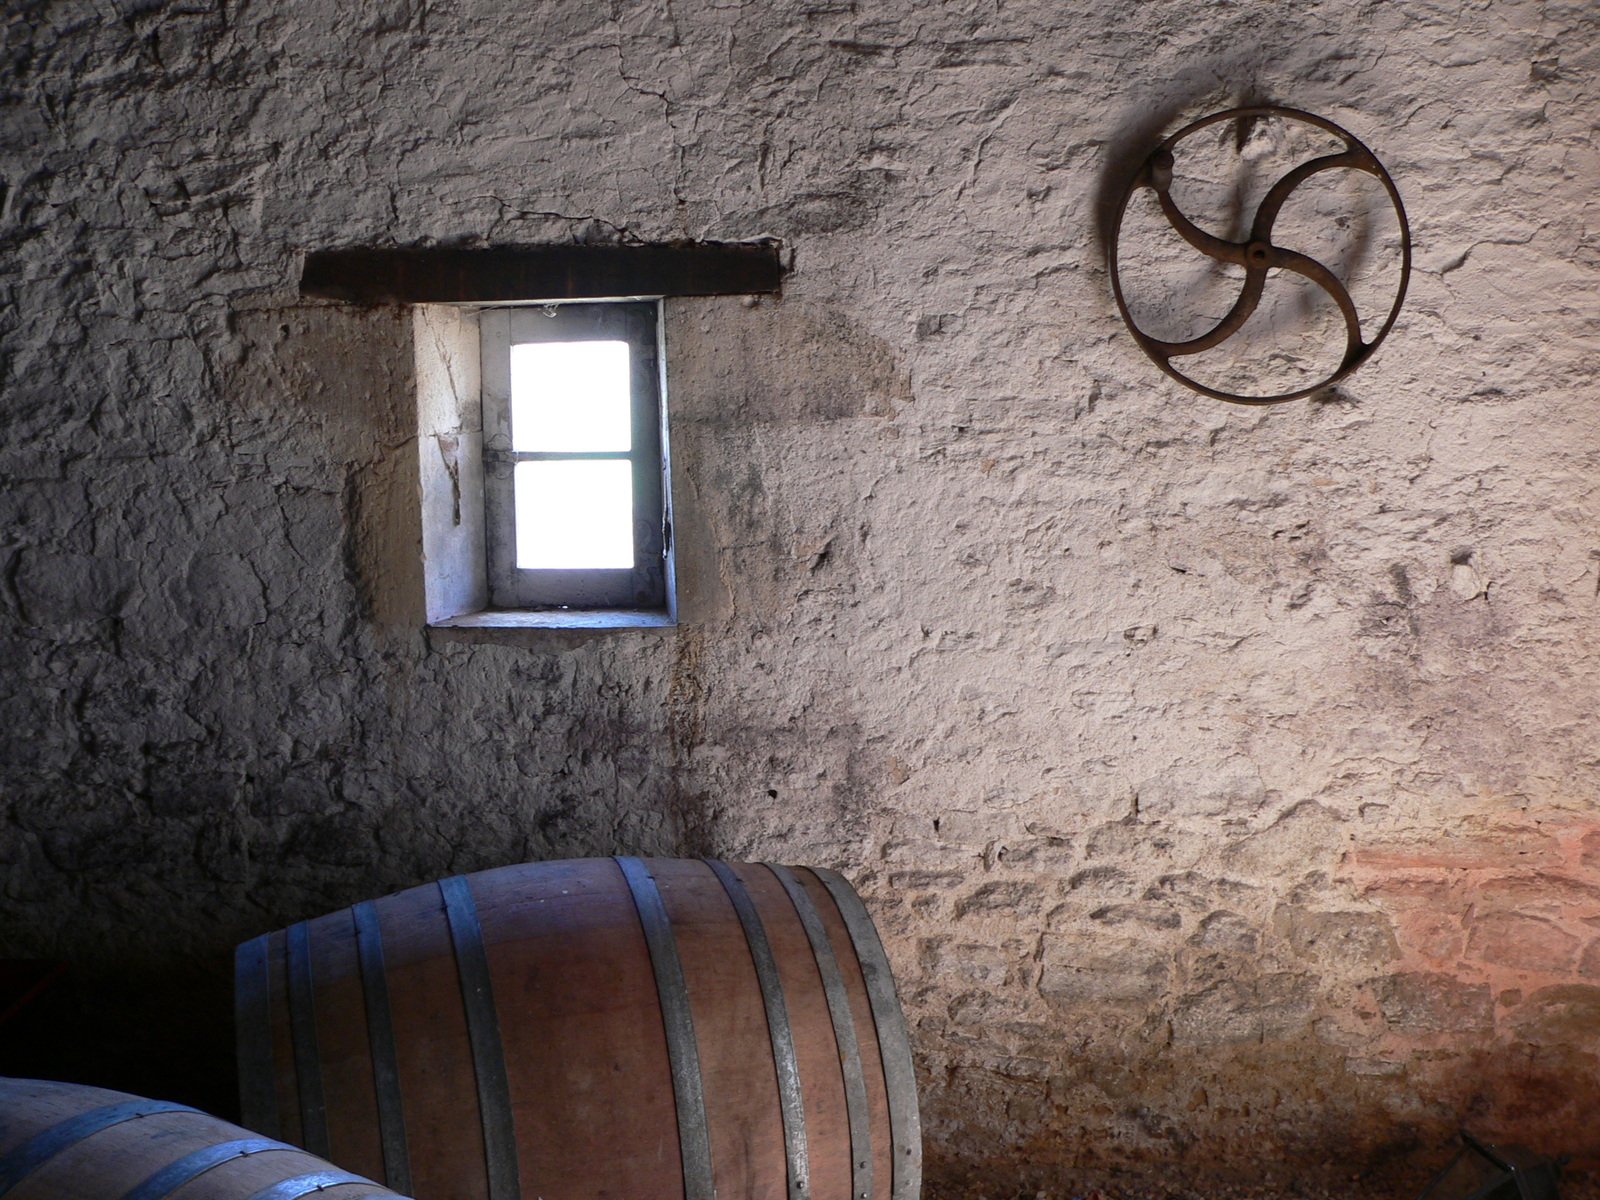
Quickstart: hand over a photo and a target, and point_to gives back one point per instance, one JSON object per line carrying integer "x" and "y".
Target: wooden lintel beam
{"x": 442, "y": 276}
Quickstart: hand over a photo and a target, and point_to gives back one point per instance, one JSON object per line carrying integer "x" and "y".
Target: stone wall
{"x": 1222, "y": 779}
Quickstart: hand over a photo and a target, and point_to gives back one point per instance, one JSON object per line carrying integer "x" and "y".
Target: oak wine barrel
{"x": 627, "y": 1029}
{"x": 59, "y": 1141}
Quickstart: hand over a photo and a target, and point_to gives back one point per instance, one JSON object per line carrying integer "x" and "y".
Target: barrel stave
{"x": 344, "y": 1045}
{"x": 285, "y": 1090}
{"x": 743, "y": 1115}
{"x": 827, "y": 1124}
{"x": 568, "y": 959}
{"x": 444, "y": 1132}
{"x": 30, "y": 1106}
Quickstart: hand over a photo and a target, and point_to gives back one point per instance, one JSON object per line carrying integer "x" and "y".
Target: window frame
{"x": 647, "y": 586}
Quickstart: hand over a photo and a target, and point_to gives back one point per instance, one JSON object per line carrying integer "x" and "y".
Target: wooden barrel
{"x": 625, "y": 1028}
{"x": 63, "y": 1142}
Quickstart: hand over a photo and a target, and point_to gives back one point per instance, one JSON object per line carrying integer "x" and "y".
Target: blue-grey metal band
{"x": 380, "y": 1044}
{"x": 856, "y": 1105}
{"x": 180, "y": 1171}
{"x": 483, "y": 1033}
{"x": 303, "y": 1033}
{"x": 304, "y": 1185}
{"x": 791, "y": 1102}
{"x": 683, "y": 1052}
{"x": 252, "y": 1035}
{"x": 22, "y": 1160}
{"x": 894, "y": 1042}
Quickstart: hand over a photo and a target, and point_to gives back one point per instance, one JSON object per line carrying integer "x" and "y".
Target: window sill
{"x": 557, "y": 619}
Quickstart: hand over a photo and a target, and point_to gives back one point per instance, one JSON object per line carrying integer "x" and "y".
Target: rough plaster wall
{"x": 1222, "y": 780}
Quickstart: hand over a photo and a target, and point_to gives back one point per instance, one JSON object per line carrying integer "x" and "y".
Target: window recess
{"x": 470, "y": 453}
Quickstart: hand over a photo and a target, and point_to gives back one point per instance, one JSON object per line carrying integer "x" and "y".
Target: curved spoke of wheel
{"x": 1213, "y": 247}
{"x": 1254, "y": 283}
{"x": 1304, "y": 264}
{"x": 1267, "y": 210}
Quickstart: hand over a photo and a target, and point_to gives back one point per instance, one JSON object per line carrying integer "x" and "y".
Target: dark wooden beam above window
{"x": 440, "y": 276}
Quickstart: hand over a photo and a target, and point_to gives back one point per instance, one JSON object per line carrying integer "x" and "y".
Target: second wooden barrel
{"x": 60, "y": 1141}
{"x": 630, "y": 1029}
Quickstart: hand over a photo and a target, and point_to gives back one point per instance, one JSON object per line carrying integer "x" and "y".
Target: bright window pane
{"x": 574, "y": 514}
{"x": 570, "y": 396}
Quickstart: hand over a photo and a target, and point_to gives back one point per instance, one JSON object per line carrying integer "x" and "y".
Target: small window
{"x": 543, "y": 499}
{"x": 576, "y": 502}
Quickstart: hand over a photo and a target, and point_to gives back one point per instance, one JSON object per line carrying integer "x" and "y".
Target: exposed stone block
{"x": 1342, "y": 940}
{"x": 1018, "y": 898}
{"x": 1150, "y": 915}
{"x": 1522, "y": 847}
{"x": 1226, "y": 931}
{"x": 1307, "y": 833}
{"x": 984, "y": 1009}
{"x": 1433, "y": 934}
{"x": 1204, "y": 971}
{"x": 1565, "y": 1015}
{"x": 1103, "y": 880}
{"x": 1549, "y": 893}
{"x": 920, "y": 881}
{"x": 924, "y": 853}
{"x": 973, "y": 961}
{"x": 1127, "y": 840}
{"x": 1076, "y": 972}
{"x": 224, "y": 590}
{"x": 1222, "y": 1014}
{"x": 1515, "y": 940}
{"x": 1246, "y": 1008}
{"x": 1285, "y": 1001}
{"x": 1189, "y": 889}
{"x": 1052, "y": 854}
{"x": 1406, "y": 891}
{"x": 1429, "y": 1002}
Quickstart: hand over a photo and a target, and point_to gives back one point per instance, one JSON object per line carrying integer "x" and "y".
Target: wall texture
{"x": 1223, "y": 780}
